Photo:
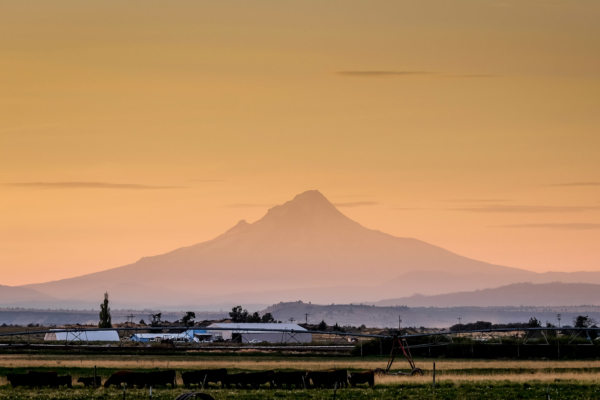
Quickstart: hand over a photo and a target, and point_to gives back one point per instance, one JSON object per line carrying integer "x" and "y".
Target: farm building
{"x": 83, "y": 336}
{"x": 246, "y": 333}
{"x": 195, "y": 335}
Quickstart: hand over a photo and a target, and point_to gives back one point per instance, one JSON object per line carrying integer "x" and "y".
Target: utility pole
{"x": 459, "y": 325}
{"x": 306, "y": 318}
{"x": 557, "y": 336}
{"x": 292, "y": 320}
{"x": 399, "y": 323}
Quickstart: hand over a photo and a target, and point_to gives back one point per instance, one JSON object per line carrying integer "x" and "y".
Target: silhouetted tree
{"x": 237, "y": 314}
{"x": 267, "y": 318}
{"x": 253, "y": 318}
{"x": 156, "y": 319}
{"x": 188, "y": 318}
{"x": 322, "y": 326}
{"x": 586, "y": 322}
{"x": 583, "y": 322}
{"x": 550, "y": 333}
{"x": 142, "y": 322}
{"x": 105, "y": 319}
{"x": 534, "y": 323}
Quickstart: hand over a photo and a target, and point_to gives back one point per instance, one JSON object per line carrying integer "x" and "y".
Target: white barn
{"x": 83, "y": 336}
{"x": 247, "y": 333}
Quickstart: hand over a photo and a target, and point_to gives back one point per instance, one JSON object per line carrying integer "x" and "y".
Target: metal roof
{"x": 247, "y": 327}
{"x": 83, "y": 335}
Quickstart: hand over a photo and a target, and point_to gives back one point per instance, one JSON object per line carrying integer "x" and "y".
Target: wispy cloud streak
{"x": 573, "y": 184}
{"x": 371, "y": 74}
{"x": 246, "y": 205}
{"x": 497, "y": 208}
{"x": 356, "y": 204}
{"x": 567, "y": 226}
{"x": 383, "y": 74}
{"x": 477, "y": 200}
{"x": 475, "y": 76}
{"x": 87, "y": 185}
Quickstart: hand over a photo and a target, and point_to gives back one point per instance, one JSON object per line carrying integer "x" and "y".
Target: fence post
{"x": 124, "y": 389}
{"x": 434, "y": 375}
{"x": 95, "y": 379}
{"x": 334, "y": 390}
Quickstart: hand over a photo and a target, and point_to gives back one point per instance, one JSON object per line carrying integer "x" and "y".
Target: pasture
{"x": 455, "y": 379}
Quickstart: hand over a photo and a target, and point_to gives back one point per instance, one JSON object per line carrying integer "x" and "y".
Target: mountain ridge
{"x": 305, "y": 243}
{"x": 513, "y": 295}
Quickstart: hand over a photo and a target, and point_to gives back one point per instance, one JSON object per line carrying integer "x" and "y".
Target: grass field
{"x": 456, "y": 379}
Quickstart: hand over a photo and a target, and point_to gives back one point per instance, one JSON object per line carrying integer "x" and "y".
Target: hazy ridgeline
{"x": 342, "y": 314}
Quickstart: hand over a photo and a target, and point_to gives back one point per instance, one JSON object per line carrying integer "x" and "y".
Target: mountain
{"x": 304, "y": 244}
{"x": 438, "y": 282}
{"x": 16, "y": 296}
{"x": 519, "y": 294}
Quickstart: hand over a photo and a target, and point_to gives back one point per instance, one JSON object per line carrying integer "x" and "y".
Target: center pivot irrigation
{"x": 399, "y": 342}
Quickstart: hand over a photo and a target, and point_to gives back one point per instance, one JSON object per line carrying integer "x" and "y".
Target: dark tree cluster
{"x": 238, "y": 314}
{"x": 188, "y": 318}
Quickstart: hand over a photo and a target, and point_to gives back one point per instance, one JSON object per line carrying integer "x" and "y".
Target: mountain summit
{"x": 304, "y": 243}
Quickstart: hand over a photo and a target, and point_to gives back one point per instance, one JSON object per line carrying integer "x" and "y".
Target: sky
{"x": 129, "y": 128}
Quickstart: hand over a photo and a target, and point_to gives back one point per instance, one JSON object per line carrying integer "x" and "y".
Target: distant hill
{"x": 305, "y": 248}
{"x": 10, "y": 295}
{"x": 527, "y": 294}
{"x": 430, "y": 317}
{"x": 441, "y": 282}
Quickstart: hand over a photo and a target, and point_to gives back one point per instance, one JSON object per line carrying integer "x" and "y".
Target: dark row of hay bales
{"x": 338, "y": 378}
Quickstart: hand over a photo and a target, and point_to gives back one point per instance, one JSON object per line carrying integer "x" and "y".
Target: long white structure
{"x": 247, "y": 333}
{"x": 190, "y": 335}
{"x": 84, "y": 336}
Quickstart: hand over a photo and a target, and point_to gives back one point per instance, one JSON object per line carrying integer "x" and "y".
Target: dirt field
{"x": 444, "y": 367}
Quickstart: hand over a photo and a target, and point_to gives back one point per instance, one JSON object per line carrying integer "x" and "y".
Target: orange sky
{"x": 472, "y": 125}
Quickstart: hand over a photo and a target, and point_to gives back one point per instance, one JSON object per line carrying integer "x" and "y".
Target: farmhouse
{"x": 83, "y": 336}
{"x": 251, "y": 333}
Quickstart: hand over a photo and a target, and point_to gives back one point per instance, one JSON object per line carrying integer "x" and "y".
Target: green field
{"x": 445, "y": 390}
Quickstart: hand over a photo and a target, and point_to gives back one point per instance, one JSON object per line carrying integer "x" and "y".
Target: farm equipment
{"x": 397, "y": 345}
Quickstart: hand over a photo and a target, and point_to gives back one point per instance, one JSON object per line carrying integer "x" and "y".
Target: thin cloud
{"x": 87, "y": 185}
{"x": 383, "y": 74}
{"x": 367, "y": 74}
{"x": 356, "y": 204}
{"x": 497, "y": 208}
{"x": 477, "y": 200}
{"x": 572, "y": 184}
{"x": 475, "y": 76}
{"x": 354, "y": 195}
{"x": 410, "y": 208}
{"x": 567, "y": 226}
{"x": 246, "y": 205}
{"x": 551, "y": 4}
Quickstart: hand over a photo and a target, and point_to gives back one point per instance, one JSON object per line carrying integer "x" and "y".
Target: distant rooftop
{"x": 252, "y": 326}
